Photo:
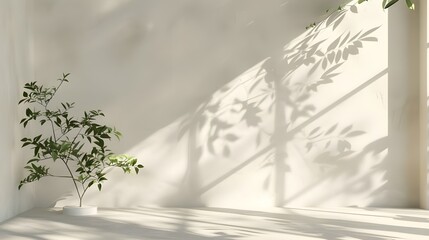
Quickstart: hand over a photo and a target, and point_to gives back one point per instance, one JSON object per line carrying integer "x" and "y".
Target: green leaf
{"x": 99, "y": 187}
{"x": 118, "y": 134}
{"x": 36, "y": 139}
{"x": 91, "y": 183}
{"x": 133, "y": 162}
{"x": 99, "y": 142}
{"x": 104, "y": 135}
{"x": 33, "y": 160}
{"x": 410, "y": 4}
{"x": 65, "y": 146}
{"x": 389, "y": 4}
{"x": 36, "y": 150}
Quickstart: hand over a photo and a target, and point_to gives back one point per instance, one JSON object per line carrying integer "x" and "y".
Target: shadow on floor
{"x": 220, "y": 223}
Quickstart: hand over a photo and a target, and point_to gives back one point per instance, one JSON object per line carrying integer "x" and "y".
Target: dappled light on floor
{"x": 220, "y": 223}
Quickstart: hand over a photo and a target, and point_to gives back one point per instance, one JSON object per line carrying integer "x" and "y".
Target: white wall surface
{"x": 233, "y": 104}
{"x": 15, "y": 68}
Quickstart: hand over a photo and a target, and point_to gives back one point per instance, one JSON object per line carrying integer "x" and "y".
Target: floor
{"x": 218, "y": 223}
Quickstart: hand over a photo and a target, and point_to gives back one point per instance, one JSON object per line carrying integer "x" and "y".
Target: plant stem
{"x": 52, "y": 125}
{"x": 83, "y": 194}
{"x": 50, "y": 175}
{"x": 74, "y": 182}
{"x": 46, "y": 109}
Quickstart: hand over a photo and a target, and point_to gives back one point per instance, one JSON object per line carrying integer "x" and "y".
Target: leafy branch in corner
{"x": 385, "y": 4}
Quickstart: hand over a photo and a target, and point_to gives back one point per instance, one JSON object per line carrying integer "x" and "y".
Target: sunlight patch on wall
{"x": 302, "y": 123}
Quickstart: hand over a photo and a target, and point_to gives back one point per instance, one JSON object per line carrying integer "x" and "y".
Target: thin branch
{"x": 51, "y": 175}
{"x": 72, "y": 177}
{"x": 74, "y": 139}
{"x": 52, "y": 125}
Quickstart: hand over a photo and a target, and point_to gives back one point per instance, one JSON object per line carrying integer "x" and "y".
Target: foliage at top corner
{"x": 385, "y": 5}
{"x": 388, "y": 3}
{"x": 78, "y": 143}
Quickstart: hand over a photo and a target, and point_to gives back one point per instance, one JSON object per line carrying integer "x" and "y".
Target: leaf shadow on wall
{"x": 265, "y": 122}
{"x": 154, "y": 61}
{"x": 269, "y": 109}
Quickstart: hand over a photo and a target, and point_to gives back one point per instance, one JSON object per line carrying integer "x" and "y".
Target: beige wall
{"x": 234, "y": 104}
{"x": 15, "y": 68}
{"x": 404, "y": 94}
{"x": 424, "y": 133}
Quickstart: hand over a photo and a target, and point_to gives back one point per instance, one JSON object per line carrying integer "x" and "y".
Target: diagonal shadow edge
{"x": 293, "y": 131}
{"x": 235, "y": 169}
{"x": 337, "y": 102}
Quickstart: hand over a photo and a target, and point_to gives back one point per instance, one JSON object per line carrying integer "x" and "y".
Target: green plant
{"x": 388, "y": 3}
{"x": 351, "y": 4}
{"x": 78, "y": 143}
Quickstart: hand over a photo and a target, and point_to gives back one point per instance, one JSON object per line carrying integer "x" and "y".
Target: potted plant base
{"x": 79, "y": 211}
{"x": 77, "y": 143}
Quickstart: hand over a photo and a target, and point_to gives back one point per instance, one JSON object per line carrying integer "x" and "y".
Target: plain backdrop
{"x": 235, "y": 104}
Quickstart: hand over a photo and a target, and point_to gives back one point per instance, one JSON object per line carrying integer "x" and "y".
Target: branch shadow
{"x": 268, "y": 118}
{"x": 274, "y": 93}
